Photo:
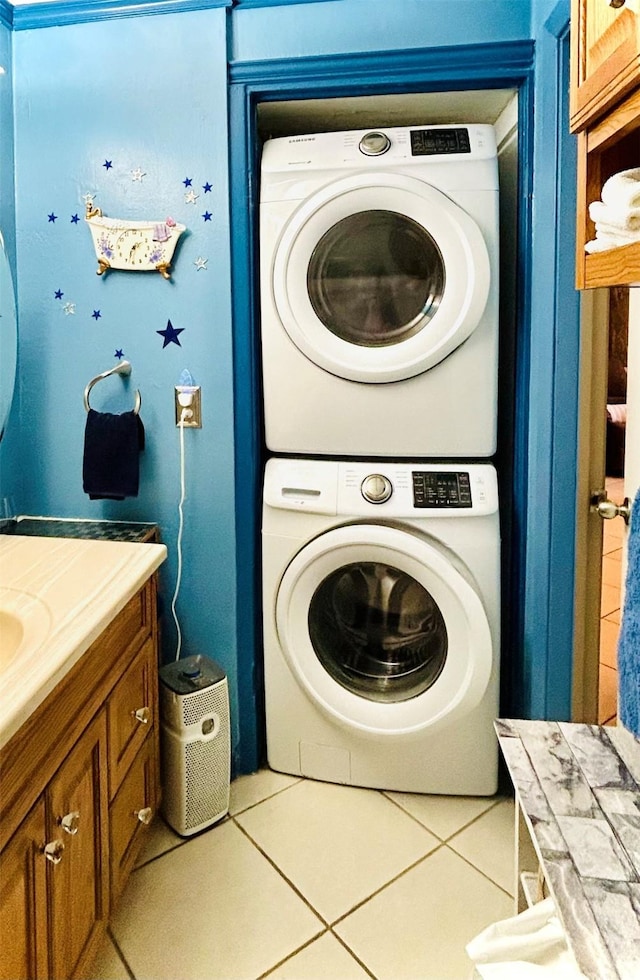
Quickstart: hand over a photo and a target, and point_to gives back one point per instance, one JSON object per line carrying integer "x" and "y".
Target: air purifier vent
{"x": 195, "y": 744}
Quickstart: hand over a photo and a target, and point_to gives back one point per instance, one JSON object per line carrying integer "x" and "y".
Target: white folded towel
{"x": 603, "y": 241}
{"x": 617, "y": 413}
{"x": 610, "y": 219}
{"x": 622, "y": 190}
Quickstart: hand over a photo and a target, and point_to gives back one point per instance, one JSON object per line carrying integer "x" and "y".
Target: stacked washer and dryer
{"x": 381, "y": 536}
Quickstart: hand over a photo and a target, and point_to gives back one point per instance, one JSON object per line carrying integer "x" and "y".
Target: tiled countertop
{"x": 578, "y": 787}
{"x": 64, "y": 527}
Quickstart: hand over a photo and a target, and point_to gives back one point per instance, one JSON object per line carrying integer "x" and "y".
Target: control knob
{"x": 374, "y": 144}
{"x": 376, "y": 488}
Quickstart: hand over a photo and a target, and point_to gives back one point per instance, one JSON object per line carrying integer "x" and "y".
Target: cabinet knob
{"x": 70, "y": 822}
{"x": 616, "y": 4}
{"x": 53, "y": 851}
{"x": 145, "y": 815}
{"x": 143, "y": 715}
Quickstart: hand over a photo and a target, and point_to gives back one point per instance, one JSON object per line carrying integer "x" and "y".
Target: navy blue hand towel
{"x": 112, "y": 445}
{"x": 629, "y": 640}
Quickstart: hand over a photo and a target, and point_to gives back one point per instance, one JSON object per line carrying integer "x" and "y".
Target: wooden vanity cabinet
{"x": 605, "y": 56}
{"x": 79, "y": 785}
{"x": 605, "y": 113}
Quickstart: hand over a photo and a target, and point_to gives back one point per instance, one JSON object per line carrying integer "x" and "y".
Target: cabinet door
{"x": 131, "y": 713}
{"x": 605, "y": 56}
{"x": 131, "y": 813}
{"x": 23, "y": 919}
{"x": 77, "y": 886}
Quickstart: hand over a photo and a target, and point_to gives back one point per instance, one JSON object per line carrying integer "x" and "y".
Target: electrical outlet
{"x": 195, "y": 419}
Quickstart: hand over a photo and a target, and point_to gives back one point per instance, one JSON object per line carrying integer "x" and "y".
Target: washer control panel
{"x": 376, "y": 488}
{"x": 434, "y": 489}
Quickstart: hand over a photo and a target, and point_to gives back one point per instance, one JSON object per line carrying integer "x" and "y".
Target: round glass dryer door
{"x": 377, "y": 278}
{"x": 382, "y": 631}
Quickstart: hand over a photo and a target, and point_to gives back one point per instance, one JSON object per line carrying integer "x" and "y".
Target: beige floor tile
{"x": 107, "y": 964}
{"x": 488, "y": 843}
{"x": 246, "y": 791}
{"x": 610, "y": 600}
{"x": 336, "y": 844}
{"x": 417, "y": 928}
{"x": 442, "y": 815}
{"x": 609, "y": 643}
{"x": 324, "y": 958}
{"x": 611, "y": 570}
{"x": 614, "y": 617}
{"x": 607, "y": 694}
{"x": 612, "y": 536}
{"x": 160, "y": 839}
{"x": 213, "y": 908}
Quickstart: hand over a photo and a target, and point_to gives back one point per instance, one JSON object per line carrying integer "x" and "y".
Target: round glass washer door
{"x": 377, "y": 278}
{"x": 382, "y": 631}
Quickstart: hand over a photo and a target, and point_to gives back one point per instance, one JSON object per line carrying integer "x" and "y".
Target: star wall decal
{"x": 58, "y": 294}
{"x": 108, "y": 164}
{"x": 207, "y": 216}
{"x": 119, "y": 353}
{"x": 53, "y": 217}
{"x": 170, "y": 334}
{"x": 191, "y": 197}
{"x": 201, "y": 263}
{"x": 69, "y": 308}
{"x": 96, "y": 314}
{"x": 75, "y": 219}
{"x": 187, "y": 181}
{"x": 206, "y": 188}
{"x": 138, "y": 174}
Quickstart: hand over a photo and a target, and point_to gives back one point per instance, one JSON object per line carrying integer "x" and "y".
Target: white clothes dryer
{"x": 381, "y": 623}
{"x": 379, "y": 292}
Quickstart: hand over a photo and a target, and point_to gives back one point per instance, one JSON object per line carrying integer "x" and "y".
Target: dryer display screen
{"x": 429, "y": 142}
{"x": 441, "y": 489}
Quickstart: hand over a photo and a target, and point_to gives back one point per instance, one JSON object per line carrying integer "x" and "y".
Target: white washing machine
{"x": 379, "y": 292}
{"x": 381, "y": 623}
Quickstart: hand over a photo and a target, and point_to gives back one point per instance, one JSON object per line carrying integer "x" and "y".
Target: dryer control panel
{"x": 432, "y": 142}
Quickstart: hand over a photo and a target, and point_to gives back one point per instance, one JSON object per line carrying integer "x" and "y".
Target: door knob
{"x": 608, "y": 509}
{"x": 53, "y": 851}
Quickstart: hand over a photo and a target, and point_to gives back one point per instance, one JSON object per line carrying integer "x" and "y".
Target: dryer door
{"x": 382, "y": 631}
{"x": 378, "y": 278}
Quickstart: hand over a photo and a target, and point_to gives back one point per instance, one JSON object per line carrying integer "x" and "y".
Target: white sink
{"x": 25, "y": 622}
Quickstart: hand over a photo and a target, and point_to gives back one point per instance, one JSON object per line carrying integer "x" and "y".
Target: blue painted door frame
{"x": 509, "y": 65}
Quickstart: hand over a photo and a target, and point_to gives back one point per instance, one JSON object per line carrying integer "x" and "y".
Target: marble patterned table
{"x": 578, "y": 794}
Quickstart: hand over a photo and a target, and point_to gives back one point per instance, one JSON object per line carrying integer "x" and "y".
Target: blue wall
{"x": 151, "y": 92}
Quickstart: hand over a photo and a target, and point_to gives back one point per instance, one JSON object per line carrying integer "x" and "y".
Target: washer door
{"x": 377, "y": 278}
{"x": 382, "y": 631}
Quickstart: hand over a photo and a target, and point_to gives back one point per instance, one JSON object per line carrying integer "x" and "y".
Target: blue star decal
{"x": 206, "y": 188}
{"x": 96, "y": 314}
{"x": 187, "y": 181}
{"x": 119, "y": 353}
{"x": 53, "y": 217}
{"x": 74, "y": 219}
{"x": 59, "y": 294}
{"x": 207, "y": 216}
{"x": 170, "y": 334}
{"x": 108, "y": 164}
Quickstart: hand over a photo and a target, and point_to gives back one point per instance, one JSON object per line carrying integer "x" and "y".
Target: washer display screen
{"x": 378, "y": 632}
{"x": 376, "y": 278}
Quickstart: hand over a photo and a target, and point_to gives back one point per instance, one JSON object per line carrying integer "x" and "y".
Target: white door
{"x": 382, "y": 632}
{"x": 378, "y": 278}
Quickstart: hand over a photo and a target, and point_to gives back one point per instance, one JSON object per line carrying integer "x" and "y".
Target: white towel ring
{"x": 124, "y": 368}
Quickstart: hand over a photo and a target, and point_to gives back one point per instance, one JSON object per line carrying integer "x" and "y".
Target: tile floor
{"x": 312, "y": 881}
{"x": 613, "y": 532}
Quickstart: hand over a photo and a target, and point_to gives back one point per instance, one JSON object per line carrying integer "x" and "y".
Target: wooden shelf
{"x": 619, "y": 266}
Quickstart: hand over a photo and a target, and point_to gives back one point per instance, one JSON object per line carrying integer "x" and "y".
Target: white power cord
{"x": 184, "y": 415}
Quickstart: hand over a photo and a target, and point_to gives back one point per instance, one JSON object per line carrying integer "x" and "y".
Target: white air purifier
{"x": 195, "y": 744}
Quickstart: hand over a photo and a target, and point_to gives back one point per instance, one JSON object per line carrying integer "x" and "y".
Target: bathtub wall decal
{"x": 135, "y": 246}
